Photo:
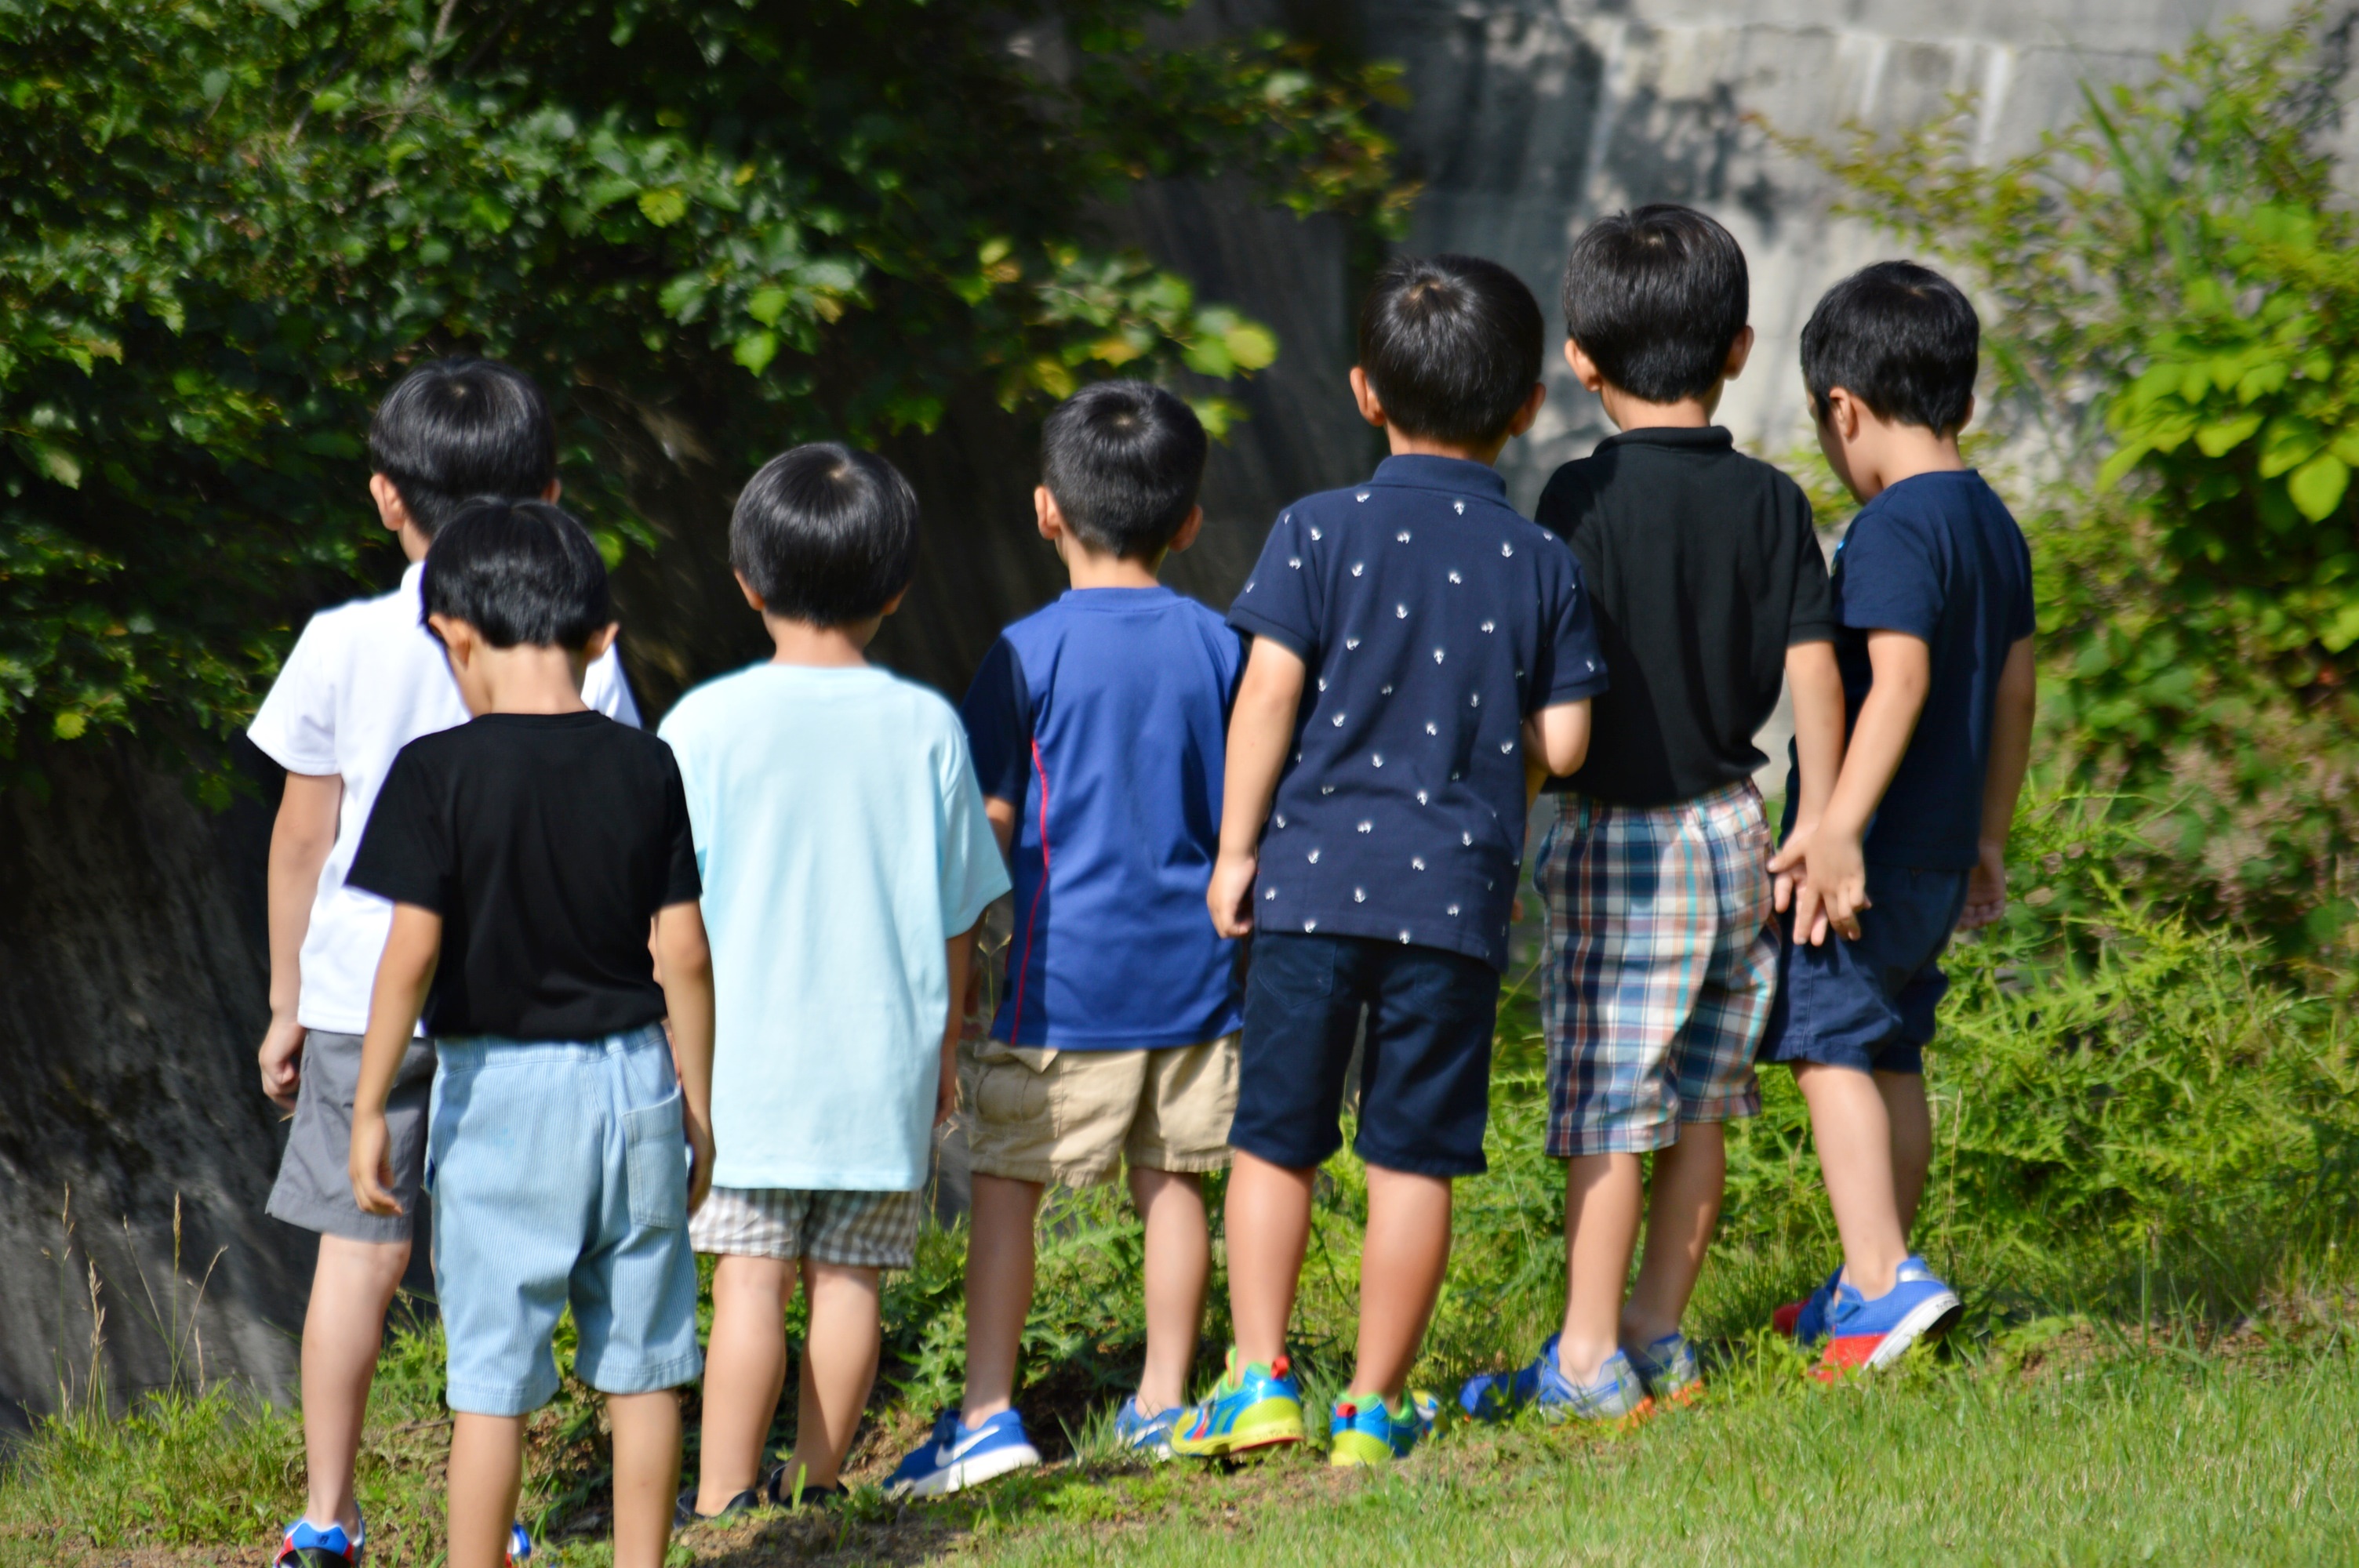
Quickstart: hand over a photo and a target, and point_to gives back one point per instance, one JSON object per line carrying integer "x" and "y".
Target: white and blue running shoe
{"x": 1148, "y": 1434}
{"x": 1618, "y": 1395}
{"x": 954, "y": 1457}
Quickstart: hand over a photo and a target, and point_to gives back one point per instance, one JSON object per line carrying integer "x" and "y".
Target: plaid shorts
{"x": 859, "y": 1230}
{"x": 1662, "y": 962}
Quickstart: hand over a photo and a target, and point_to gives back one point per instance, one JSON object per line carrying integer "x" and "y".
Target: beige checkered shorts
{"x": 859, "y": 1230}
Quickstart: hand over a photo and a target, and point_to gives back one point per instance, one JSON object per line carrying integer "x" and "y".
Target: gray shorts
{"x": 314, "y": 1188}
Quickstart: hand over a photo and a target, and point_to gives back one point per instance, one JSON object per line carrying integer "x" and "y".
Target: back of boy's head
{"x": 826, "y": 533}
{"x": 1124, "y": 460}
{"x": 1900, "y": 338}
{"x": 460, "y": 428}
{"x": 1451, "y": 346}
{"x": 1655, "y": 298}
{"x": 518, "y": 572}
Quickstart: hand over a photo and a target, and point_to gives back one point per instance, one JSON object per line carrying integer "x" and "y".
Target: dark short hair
{"x": 460, "y": 428}
{"x": 1900, "y": 338}
{"x": 826, "y": 533}
{"x": 1451, "y": 345}
{"x": 1124, "y": 460}
{"x": 517, "y": 571}
{"x": 1655, "y": 298}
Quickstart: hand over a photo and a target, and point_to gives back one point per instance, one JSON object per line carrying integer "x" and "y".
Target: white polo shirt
{"x": 364, "y": 680}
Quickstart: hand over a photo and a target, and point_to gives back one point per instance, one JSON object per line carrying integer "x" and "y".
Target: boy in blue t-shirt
{"x": 1097, "y": 732}
{"x": 1414, "y": 640}
{"x": 1932, "y": 593}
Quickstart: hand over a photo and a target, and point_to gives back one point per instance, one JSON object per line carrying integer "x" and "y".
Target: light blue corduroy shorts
{"x": 559, "y": 1175}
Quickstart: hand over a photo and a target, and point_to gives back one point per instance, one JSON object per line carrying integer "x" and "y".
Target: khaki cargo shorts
{"x": 1037, "y": 1114}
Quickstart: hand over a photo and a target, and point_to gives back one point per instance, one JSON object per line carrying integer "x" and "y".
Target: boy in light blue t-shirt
{"x": 846, "y": 858}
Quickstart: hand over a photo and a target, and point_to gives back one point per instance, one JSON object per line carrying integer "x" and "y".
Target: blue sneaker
{"x": 1363, "y": 1429}
{"x": 1863, "y": 1333}
{"x": 307, "y": 1545}
{"x": 1148, "y": 1434}
{"x": 1669, "y": 1368}
{"x": 1253, "y": 1406}
{"x": 519, "y": 1542}
{"x": 954, "y": 1457}
{"x": 1805, "y": 1321}
{"x": 1618, "y": 1395}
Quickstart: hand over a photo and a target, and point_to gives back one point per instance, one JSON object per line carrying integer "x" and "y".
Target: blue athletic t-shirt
{"x": 1938, "y": 557}
{"x": 1121, "y": 696}
{"x": 1432, "y": 619}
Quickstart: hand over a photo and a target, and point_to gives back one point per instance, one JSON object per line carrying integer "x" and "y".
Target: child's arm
{"x": 1557, "y": 740}
{"x": 300, "y": 838}
{"x": 1816, "y": 683}
{"x": 2010, "y": 757}
{"x": 961, "y": 954}
{"x": 684, "y": 966}
{"x": 403, "y": 975}
{"x": 1834, "y": 865}
{"x": 1261, "y": 727}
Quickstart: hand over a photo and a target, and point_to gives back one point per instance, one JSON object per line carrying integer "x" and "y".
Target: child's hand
{"x": 699, "y": 1144}
{"x": 1836, "y": 878}
{"x": 1230, "y": 897}
{"x": 371, "y": 1173}
{"x": 281, "y": 1058}
{"x": 946, "y": 1090}
{"x": 1791, "y": 885}
{"x": 1985, "y": 889}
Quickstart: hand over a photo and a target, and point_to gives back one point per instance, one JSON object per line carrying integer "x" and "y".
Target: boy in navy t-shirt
{"x": 1097, "y": 726}
{"x": 1414, "y": 639}
{"x": 1932, "y": 593}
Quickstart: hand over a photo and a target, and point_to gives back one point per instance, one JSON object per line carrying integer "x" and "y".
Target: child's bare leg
{"x": 1178, "y": 1272}
{"x": 998, "y": 1291}
{"x": 486, "y": 1474}
{"x": 1912, "y": 1139}
{"x": 1853, "y": 1133}
{"x": 1268, "y": 1226}
{"x": 1402, "y": 1260}
{"x": 839, "y": 1367}
{"x": 1602, "y": 1199}
{"x": 1682, "y": 1207}
{"x": 344, "y": 1330}
{"x": 744, "y": 1373}
{"x": 646, "y": 1474}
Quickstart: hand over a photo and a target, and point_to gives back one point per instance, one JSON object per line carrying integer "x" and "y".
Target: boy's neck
{"x": 1632, "y": 413}
{"x": 1406, "y": 444}
{"x": 1895, "y": 452}
{"x": 526, "y": 679}
{"x": 843, "y": 647}
{"x": 1086, "y": 568}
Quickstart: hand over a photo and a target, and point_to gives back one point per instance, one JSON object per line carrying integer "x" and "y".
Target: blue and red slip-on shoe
{"x": 1864, "y": 1334}
{"x": 1669, "y": 1368}
{"x": 1619, "y": 1394}
{"x": 519, "y": 1543}
{"x": 1364, "y": 1429}
{"x": 1254, "y": 1405}
{"x": 1805, "y": 1321}
{"x": 954, "y": 1457}
{"x": 308, "y": 1545}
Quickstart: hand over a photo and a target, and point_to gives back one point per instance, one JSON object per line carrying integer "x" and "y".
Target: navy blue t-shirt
{"x": 1432, "y": 619}
{"x": 1938, "y": 557}
{"x": 1121, "y": 697}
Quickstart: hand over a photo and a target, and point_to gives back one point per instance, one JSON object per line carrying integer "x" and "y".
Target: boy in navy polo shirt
{"x": 1414, "y": 640}
{"x": 1932, "y": 595}
{"x": 1097, "y": 729}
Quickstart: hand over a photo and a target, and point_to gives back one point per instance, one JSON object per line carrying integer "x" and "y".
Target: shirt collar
{"x": 1419, "y": 471}
{"x": 1686, "y": 437}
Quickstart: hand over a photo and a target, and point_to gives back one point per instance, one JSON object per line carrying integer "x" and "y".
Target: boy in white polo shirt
{"x": 364, "y": 680}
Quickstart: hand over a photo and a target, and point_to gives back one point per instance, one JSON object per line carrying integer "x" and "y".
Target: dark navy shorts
{"x": 1425, "y": 1075}
{"x": 1869, "y": 1004}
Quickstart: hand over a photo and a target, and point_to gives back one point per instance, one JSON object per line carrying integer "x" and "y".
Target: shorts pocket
{"x": 655, "y": 1153}
{"x": 1009, "y": 1092}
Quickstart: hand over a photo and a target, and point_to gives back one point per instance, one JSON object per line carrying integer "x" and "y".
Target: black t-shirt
{"x": 547, "y": 842}
{"x": 1703, "y": 570}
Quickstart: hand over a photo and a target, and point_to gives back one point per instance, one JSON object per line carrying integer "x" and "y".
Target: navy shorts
{"x": 1869, "y": 1004}
{"x": 1425, "y": 1075}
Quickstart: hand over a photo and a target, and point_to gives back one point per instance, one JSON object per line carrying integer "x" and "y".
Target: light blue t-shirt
{"x": 841, "y": 838}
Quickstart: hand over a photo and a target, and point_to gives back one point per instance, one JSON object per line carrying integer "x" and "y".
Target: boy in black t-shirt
{"x": 526, "y": 854}
{"x": 1662, "y": 957}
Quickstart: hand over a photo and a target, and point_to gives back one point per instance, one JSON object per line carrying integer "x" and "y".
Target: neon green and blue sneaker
{"x": 1253, "y": 1406}
{"x": 1365, "y": 1431}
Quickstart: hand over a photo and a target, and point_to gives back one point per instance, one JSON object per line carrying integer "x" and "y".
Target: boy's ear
{"x": 556, "y": 488}
{"x": 752, "y": 598}
{"x": 1046, "y": 513}
{"x": 1964, "y": 419}
{"x": 390, "y": 509}
{"x": 1185, "y": 535}
{"x": 1364, "y": 393}
{"x": 457, "y": 637}
{"x": 600, "y": 641}
{"x": 1740, "y": 349}
{"x": 1584, "y": 368}
{"x": 1528, "y": 411}
{"x": 893, "y": 603}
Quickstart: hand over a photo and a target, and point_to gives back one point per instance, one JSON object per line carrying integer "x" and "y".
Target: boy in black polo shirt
{"x": 1413, "y": 639}
{"x": 1662, "y": 955}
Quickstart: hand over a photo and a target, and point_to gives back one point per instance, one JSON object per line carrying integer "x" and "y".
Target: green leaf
{"x": 1251, "y": 345}
{"x": 69, "y": 725}
{"x": 2213, "y": 440}
{"x": 768, "y": 304}
{"x": 2120, "y": 463}
{"x": 2318, "y": 485}
{"x": 664, "y": 206}
{"x": 754, "y": 351}
{"x": 59, "y": 464}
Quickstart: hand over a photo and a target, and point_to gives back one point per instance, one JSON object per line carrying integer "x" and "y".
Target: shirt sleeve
{"x": 1890, "y": 580}
{"x": 683, "y": 882}
{"x": 1572, "y": 664}
{"x": 607, "y": 689}
{"x": 997, "y": 714}
{"x": 2023, "y": 614}
{"x": 1811, "y": 618}
{"x": 404, "y": 850}
{"x": 1282, "y": 599}
{"x": 296, "y": 726}
{"x": 973, "y": 874}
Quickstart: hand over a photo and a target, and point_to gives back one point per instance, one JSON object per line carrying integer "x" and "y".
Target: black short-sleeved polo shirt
{"x": 1432, "y": 619}
{"x": 1703, "y": 568}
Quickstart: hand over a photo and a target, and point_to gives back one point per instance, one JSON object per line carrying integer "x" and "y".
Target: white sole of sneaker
{"x": 974, "y": 1472}
{"x": 1929, "y": 1317}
